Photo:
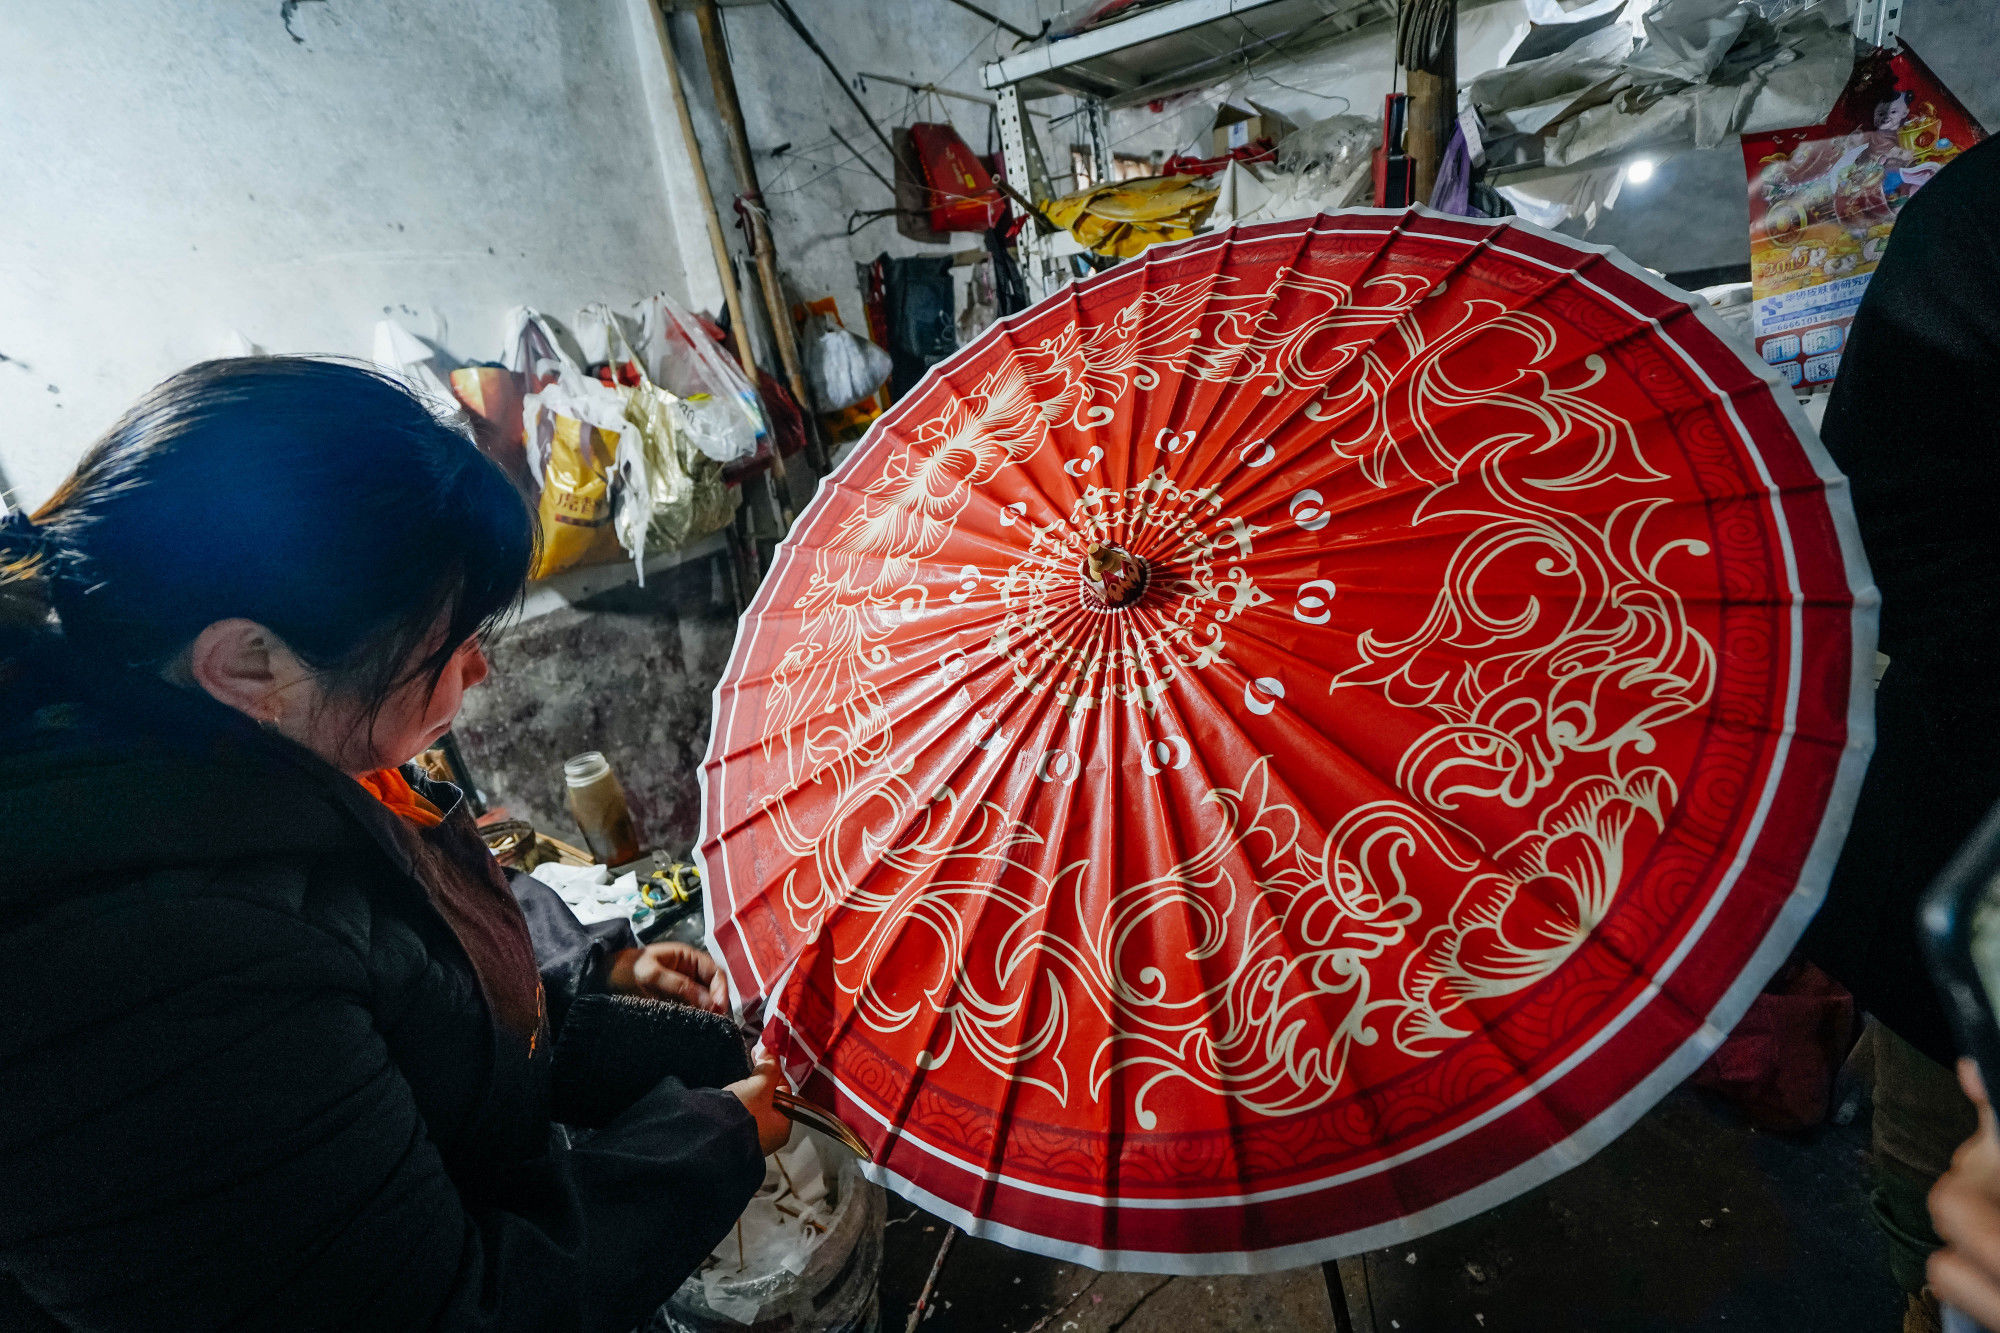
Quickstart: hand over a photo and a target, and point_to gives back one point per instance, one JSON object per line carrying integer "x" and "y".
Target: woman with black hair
{"x": 275, "y": 1046}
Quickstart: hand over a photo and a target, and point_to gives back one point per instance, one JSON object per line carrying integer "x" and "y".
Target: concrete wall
{"x": 189, "y": 171}
{"x": 630, "y": 674}
{"x": 791, "y": 103}
{"x": 175, "y": 172}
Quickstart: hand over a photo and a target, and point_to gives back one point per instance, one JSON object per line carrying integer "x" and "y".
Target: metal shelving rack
{"x": 1154, "y": 53}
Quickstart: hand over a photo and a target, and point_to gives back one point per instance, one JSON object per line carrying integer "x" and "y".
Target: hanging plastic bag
{"x": 787, "y": 434}
{"x": 574, "y": 430}
{"x": 415, "y": 362}
{"x": 493, "y": 395}
{"x": 681, "y": 358}
{"x": 607, "y": 356}
{"x": 576, "y": 505}
{"x": 537, "y": 350}
{"x": 844, "y": 367}
{"x": 490, "y": 395}
{"x": 669, "y": 492}
{"x": 686, "y": 496}
{"x": 608, "y": 339}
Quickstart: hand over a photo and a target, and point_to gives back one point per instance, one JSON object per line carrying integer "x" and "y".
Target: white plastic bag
{"x": 667, "y": 495}
{"x": 572, "y": 394}
{"x": 680, "y": 357}
{"x": 418, "y": 364}
{"x": 601, "y": 332}
{"x": 537, "y": 349}
{"x": 844, "y": 367}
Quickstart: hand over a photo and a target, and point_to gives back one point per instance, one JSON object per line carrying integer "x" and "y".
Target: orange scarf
{"x": 391, "y": 788}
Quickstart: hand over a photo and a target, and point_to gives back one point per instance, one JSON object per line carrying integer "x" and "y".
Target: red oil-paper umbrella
{"x": 1290, "y": 742}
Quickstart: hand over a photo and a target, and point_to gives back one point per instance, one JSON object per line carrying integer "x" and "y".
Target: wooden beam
{"x": 718, "y": 243}
{"x": 1433, "y": 105}
{"x": 730, "y": 109}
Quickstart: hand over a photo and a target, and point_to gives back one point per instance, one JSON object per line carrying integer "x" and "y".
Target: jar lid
{"x": 585, "y": 768}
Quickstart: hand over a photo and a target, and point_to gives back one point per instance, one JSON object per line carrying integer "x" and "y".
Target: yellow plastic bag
{"x": 1124, "y": 217}
{"x": 576, "y": 502}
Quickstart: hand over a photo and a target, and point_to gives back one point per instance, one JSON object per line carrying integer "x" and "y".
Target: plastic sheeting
{"x": 1670, "y": 74}
{"x": 844, "y": 367}
{"x": 805, "y": 1259}
{"x": 724, "y": 419}
{"x": 1123, "y": 218}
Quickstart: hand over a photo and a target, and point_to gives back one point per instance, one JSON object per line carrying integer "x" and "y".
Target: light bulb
{"x": 1639, "y": 170}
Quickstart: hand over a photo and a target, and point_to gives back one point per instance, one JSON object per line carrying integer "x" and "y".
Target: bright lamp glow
{"x": 1639, "y": 170}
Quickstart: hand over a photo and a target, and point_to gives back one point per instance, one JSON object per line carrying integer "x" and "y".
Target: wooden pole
{"x": 1433, "y": 107}
{"x": 731, "y": 110}
{"x": 923, "y": 1304}
{"x": 718, "y": 241}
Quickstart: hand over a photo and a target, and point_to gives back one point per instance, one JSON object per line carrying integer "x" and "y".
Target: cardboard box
{"x": 1234, "y": 127}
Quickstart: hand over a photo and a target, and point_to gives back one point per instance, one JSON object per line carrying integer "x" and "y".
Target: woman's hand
{"x": 1965, "y": 1209}
{"x": 671, "y": 972}
{"x": 774, "y": 1127}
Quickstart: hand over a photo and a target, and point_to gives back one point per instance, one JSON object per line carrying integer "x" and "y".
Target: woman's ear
{"x": 244, "y": 665}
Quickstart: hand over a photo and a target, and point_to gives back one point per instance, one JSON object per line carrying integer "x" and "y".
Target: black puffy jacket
{"x": 248, "y": 1077}
{"x": 1914, "y": 422}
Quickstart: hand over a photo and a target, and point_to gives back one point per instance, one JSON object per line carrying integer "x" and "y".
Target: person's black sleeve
{"x": 217, "y": 1137}
{"x": 611, "y": 1049}
{"x": 574, "y": 959}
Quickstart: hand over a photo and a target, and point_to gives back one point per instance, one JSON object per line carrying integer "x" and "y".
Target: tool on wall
{"x": 1395, "y": 174}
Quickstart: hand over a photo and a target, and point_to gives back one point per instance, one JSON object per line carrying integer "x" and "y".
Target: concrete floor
{"x": 1692, "y": 1220}
{"x": 987, "y": 1288}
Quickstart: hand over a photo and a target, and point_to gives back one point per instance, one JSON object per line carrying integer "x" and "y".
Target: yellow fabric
{"x": 1124, "y": 217}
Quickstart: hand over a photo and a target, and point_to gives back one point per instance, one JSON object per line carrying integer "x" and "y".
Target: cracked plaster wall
{"x": 178, "y": 172}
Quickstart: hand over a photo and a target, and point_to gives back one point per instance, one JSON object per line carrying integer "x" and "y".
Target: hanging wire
{"x": 1346, "y": 104}
{"x": 911, "y": 103}
{"x": 862, "y": 218}
{"x": 782, "y": 184}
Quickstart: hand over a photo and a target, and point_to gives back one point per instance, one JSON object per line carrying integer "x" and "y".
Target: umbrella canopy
{"x": 1290, "y": 742}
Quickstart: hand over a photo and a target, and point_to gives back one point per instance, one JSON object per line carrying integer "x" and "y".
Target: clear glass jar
{"x": 598, "y": 802}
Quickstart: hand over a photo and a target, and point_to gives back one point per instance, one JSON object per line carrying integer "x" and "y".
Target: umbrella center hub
{"x": 1113, "y": 575}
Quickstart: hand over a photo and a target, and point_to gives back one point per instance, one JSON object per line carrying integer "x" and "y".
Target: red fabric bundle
{"x": 1779, "y": 1064}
